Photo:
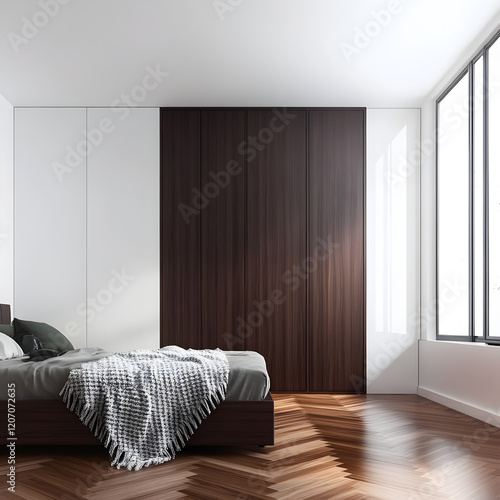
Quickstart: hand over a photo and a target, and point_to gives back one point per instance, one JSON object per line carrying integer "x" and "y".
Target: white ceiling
{"x": 255, "y": 53}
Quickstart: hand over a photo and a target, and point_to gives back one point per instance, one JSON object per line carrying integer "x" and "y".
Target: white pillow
{"x": 9, "y": 348}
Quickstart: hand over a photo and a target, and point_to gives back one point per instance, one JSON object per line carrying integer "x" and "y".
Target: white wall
{"x": 428, "y": 222}
{"x": 393, "y": 179}
{"x": 453, "y": 374}
{"x": 462, "y": 376}
{"x": 6, "y": 202}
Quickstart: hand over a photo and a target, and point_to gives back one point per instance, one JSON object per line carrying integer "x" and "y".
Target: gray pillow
{"x": 7, "y": 330}
{"x": 50, "y": 337}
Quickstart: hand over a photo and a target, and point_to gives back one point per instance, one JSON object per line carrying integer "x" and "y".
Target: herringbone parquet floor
{"x": 327, "y": 447}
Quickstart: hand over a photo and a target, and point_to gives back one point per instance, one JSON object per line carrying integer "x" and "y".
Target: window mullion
{"x": 471, "y": 205}
{"x": 486, "y": 294}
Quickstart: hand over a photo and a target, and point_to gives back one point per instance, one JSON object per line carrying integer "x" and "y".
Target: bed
{"x": 245, "y": 418}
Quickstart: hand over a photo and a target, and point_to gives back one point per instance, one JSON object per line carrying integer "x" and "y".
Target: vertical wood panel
{"x": 180, "y": 235}
{"x": 5, "y": 315}
{"x": 336, "y": 215}
{"x": 276, "y": 239}
{"x": 222, "y": 227}
{"x": 262, "y": 300}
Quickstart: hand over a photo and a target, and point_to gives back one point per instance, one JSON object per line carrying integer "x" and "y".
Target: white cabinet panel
{"x": 49, "y": 218}
{"x": 393, "y": 256}
{"x": 6, "y": 202}
{"x": 123, "y": 229}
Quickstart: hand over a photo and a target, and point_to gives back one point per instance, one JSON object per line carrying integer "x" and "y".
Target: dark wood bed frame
{"x": 232, "y": 423}
{"x": 42, "y": 422}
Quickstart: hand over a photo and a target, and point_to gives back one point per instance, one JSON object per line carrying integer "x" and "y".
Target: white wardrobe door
{"x": 49, "y": 219}
{"x": 123, "y": 229}
{"x": 393, "y": 250}
{"x": 6, "y": 202}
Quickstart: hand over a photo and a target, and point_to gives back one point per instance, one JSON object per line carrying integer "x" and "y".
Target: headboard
{"x": 5, "y": 318}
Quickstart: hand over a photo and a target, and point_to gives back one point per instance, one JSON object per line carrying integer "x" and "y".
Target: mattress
{"x": 248, "y": 377}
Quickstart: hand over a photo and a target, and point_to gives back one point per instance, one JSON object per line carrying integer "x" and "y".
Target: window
{"x": 453, "y": 213}
{"x": 493, "y": 189}
{"x": 468, "y": 202}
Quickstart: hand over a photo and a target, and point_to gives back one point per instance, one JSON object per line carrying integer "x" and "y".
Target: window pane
{"x": 453, "y": 211}
{"x": 494, "y": 189}
{"x": 478, "y": 199}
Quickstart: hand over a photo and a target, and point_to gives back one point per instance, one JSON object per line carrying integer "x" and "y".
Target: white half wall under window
{"x": 393, "y": 207}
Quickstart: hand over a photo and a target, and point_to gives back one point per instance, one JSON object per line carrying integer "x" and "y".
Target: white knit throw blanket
{"x": 144, "y": 405}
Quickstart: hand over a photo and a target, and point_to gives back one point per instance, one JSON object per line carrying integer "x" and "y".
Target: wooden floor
{"x": 327, "y": 447}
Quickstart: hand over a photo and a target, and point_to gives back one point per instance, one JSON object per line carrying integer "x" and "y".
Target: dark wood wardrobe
{"x": 263, "y": 239}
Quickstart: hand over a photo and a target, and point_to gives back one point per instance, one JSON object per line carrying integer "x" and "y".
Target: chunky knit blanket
{"x": 144, "y": 405}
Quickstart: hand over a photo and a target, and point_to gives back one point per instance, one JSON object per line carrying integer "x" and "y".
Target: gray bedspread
{"x": 248, "y": 378}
